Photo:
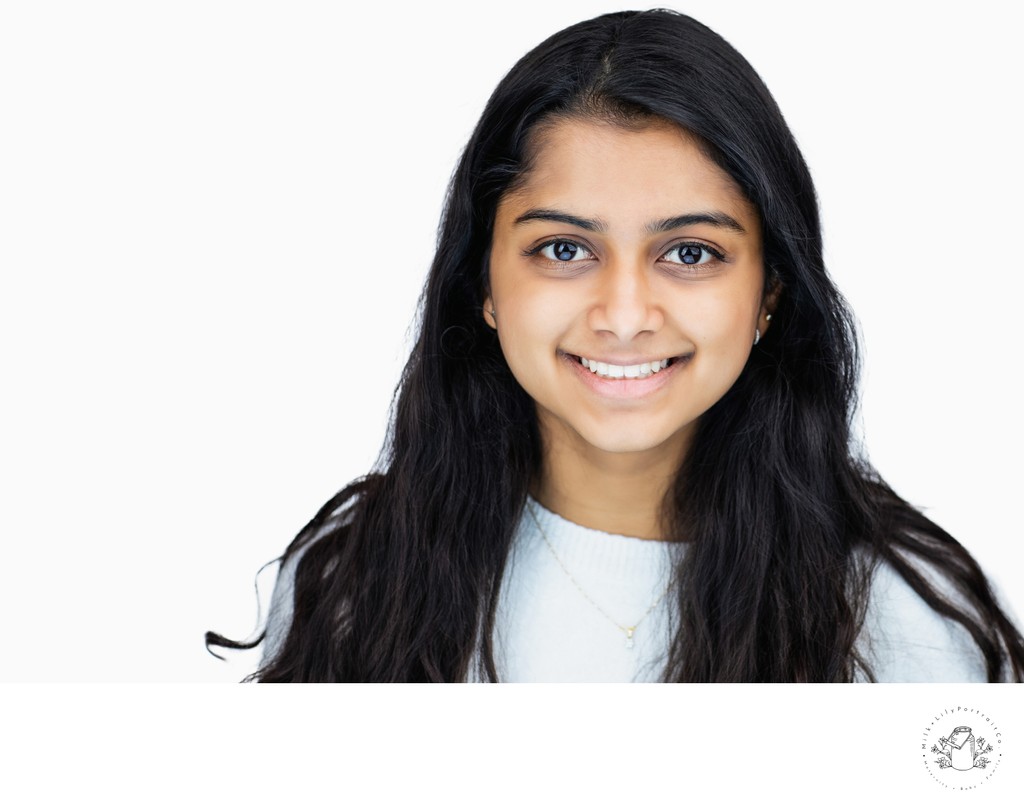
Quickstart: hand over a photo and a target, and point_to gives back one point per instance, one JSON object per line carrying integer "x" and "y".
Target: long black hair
{"x": 400, "y": 571}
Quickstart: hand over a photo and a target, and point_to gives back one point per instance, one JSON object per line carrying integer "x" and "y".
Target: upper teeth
{"x": 641, "y": 371}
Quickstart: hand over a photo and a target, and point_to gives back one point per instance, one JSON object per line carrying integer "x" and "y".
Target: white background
{"x": 215, "y": 219}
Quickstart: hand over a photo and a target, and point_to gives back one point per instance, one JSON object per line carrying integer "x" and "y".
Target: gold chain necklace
{"x": 629, "y": 631}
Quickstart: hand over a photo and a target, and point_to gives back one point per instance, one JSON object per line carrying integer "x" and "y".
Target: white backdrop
{"x": 215, "y": 219}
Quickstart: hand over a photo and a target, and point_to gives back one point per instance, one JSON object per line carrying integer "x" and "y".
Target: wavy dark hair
{"x": 400, "y": 571}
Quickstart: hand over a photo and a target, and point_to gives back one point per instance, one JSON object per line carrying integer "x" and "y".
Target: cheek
{"x": 531, "y": 313}
{"x": 721, "y": 323}
{"x": 526, "y": 333}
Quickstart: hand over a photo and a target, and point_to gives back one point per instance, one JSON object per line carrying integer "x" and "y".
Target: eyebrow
{"x": 714, "y": 218}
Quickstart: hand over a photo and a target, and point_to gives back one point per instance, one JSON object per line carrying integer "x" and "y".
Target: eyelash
{"x": 715, "y": 254}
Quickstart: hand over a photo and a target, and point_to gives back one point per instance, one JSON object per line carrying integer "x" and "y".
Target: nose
{"x": 624, "y": 304}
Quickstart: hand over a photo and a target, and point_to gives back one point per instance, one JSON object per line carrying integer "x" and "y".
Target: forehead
{"x": 618, "y": 173}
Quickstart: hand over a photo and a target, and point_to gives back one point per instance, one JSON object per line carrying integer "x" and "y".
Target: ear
{"x": 488, "y": 307}
{"x": 771, "y": 300}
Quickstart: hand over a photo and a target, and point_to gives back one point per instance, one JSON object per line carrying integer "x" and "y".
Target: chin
{"x": 614, "y": 441}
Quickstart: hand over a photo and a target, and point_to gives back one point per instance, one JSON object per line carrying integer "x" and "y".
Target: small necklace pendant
{"x": 629, "y": 637}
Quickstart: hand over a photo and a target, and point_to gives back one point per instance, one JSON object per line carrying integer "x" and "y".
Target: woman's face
{"x": 625, "y": 248}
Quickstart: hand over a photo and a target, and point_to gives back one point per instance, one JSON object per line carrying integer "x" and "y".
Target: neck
{"x": 615, "y": 492}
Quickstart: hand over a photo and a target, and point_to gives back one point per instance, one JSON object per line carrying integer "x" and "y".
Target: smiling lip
{"x": 626, "y": 387}
{"x": 633, "y": 370}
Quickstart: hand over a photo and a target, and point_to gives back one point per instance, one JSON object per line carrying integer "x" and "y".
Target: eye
{"x": 562, "y": 251}
{"x": 692, "y": 253}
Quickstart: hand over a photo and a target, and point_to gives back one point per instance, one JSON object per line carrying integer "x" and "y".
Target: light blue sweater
{"x": 567, "y": 604}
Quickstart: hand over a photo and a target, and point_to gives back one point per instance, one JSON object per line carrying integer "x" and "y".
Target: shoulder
{"x": 282, "y": 602}
{"x": 282, "y": 606}
{"x": 905, "y": 640}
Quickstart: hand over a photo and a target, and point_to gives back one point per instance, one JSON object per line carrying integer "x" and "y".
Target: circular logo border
{"x": 955, "y": 733}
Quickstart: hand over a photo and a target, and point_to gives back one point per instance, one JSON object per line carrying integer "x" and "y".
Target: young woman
{"x": 621, "y": 447}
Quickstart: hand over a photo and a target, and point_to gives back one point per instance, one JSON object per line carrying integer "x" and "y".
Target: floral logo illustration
{"x": 961, "y": 747}
{"x": 961, "y": 750}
